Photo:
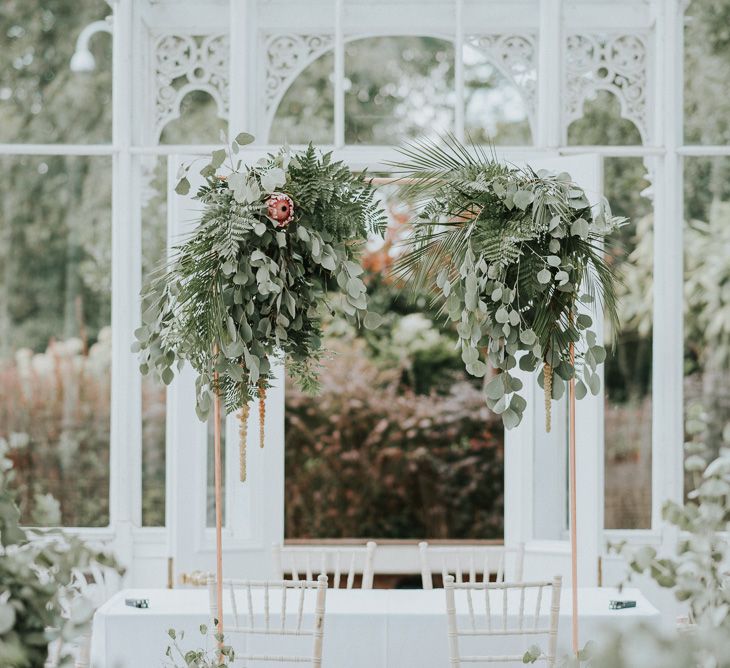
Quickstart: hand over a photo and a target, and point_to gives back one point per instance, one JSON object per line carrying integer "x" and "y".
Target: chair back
{"x": 471, "y": 563}
{"x": 341, "y": 563}
{"x": 532, "y": 612}
{"x": 274, "y": 610}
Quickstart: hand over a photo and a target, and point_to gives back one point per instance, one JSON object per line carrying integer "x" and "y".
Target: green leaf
{"x": 237, "y": 184}
{"x": 528, "y": 362}
{"x": 594, "y": 384}
{"x": 218, "y": 158}
{"x": 510, "y": 419}
{"x": 584, "y": 321}
{"x": 273, "y": 179}
{"x": 579, "y": 228}
{"x": 580, "y": 389}
{"x": 478, "y": 369}
{"x": 523, "y": 198}
{"x": 231, "y": 328}
{"x": 244, "y": 138}
{"x": 372, "y": 320}
{"x": 183, "y": 186}
{"x": 599, "y": 354}
{"x": 495, "y": 387}
{"x": 544, "y": 276}
{"x": 528, "y": 337}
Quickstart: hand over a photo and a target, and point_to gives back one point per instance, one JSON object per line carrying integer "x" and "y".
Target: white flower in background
{"x": 18, "y": 440}
{"x": 415, "y": 332}
{"x": 42, "y": 363}
{"x": 23, "y": 359}
{"x": 70, "y": 347}
{"x": 100, "y": 354}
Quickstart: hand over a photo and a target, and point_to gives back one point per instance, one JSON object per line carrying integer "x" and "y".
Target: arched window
{"x": 401, "y": 87}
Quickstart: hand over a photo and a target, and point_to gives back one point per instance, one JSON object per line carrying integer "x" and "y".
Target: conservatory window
{"x": 55, "y": 255}
{"x": 536, "y": 85}
{"x": 706, "y": 216}
{"x": 398, "y": 420}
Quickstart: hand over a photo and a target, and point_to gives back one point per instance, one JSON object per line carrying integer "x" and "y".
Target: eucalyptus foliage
{"x": 242, "y": 290}
{"x": 516, "y": 258}
{"x": 222, "y": 656}
{"x": 39, "y": 599}
{"x": 699, "y": 572}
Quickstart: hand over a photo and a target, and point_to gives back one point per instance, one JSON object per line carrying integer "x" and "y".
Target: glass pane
{"x": 494, "y": 107}
{"x": 602, "y": 124}
{"x": 707, "y": 304}
{"x": 154, "y": 242}
{"x": 307, "y": 109}
{"x": 42, "y": 98}
{"x": 707, "y": 72}
{"x": 628, "y": 367}
{"x": 199, "y": 122}
{"x": 398, "y": 87}
{"x": 399, "y": 443}
{"x": 55, "y": 339}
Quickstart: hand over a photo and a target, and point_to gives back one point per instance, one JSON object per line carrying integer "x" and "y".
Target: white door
{"x": 254, "y": 510}
{"x": 536, "y": 481}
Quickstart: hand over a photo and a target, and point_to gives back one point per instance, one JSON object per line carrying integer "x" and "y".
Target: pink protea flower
{"x": 280, "y": 209}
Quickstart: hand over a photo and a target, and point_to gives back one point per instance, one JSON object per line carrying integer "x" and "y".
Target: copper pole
{"x": 218, "y": 502}
{"x": 573, "y": 504}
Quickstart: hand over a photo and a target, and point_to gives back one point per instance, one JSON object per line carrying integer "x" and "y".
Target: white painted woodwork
{"x": 282, "y": 616}
{"x": 140, "y": 45}
{"x": 342, "y": 563}
{"x": 488, "y": 607}
{"x": 470, "y": 563}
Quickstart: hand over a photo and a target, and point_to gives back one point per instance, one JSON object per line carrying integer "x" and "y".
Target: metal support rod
{"x": 218, "y": 503}
{"x": 573, "y": 506}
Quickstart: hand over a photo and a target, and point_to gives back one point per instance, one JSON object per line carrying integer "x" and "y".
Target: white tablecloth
{"x": 363, "y": 629}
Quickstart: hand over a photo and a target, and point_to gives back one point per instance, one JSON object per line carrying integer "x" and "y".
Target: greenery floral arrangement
{"x": 222, "y": 656}
{"x": 41, "y": 601}
{"x": 248, "y": 286}
{"x": 516, "y": 256}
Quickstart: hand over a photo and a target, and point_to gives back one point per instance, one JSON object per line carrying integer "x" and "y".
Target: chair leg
{"x": 83, "y": 651}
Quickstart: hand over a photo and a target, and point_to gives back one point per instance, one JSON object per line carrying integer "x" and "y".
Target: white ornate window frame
{"x": 137, "y": 121}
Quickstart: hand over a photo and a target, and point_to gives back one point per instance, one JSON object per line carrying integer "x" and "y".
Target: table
{"x": 363, "y": 629}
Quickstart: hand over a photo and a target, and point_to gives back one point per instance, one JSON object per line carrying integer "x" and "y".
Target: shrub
{"x": 54, "y": 415}
{"x": 367, "y": 457}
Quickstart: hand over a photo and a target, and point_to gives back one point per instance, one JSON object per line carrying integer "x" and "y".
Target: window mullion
{"x": 339, "y": 74}
{"x": 667, "y": 417}
{"x": 459, "y": 70}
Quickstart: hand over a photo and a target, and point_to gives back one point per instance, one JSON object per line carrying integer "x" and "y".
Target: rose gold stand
{"x": 218, "y": 504}
{"x": 573, "y": 504}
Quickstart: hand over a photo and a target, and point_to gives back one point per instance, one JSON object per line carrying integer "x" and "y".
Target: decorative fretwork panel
{"x": 515, "y": 56}
{"x": 617, "y": 63}
{"x": 285, "y": 56}
{"x": 183, "y": 63}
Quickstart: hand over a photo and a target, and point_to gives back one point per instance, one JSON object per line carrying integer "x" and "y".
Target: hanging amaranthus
{"x": 262, "y": 414}
{"x": 242, "y": 439}
{"x": 547, "y": 383}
